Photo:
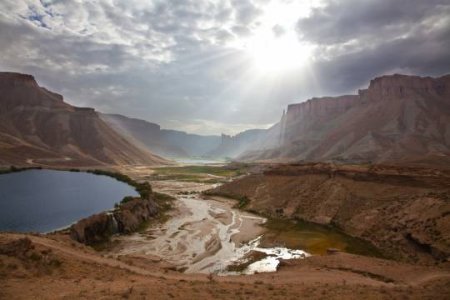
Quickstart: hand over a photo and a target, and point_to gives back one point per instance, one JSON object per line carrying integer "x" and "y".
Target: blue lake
{"x": 45, "y": 200}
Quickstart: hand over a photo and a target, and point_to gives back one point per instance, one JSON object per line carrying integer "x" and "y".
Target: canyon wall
{"x": 38, "y": 127}
{"x": 399, "y": 118}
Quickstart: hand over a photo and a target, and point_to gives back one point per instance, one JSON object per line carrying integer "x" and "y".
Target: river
{"x": 205, "y": 235}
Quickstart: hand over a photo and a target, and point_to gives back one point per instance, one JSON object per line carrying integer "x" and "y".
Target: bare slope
{"x": 403, "y": 211}
{"x": 50, "y": 267}
{"x": 37, "y": 126}
{"x": 164, "y": 142}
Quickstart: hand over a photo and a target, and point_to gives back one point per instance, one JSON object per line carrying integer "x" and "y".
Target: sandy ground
{"x": 84, "y": 274}
{"x": 203, "y": 234}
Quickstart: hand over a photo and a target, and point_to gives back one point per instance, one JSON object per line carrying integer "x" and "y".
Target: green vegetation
{"x": 126, "y": 199}
{"x": 205, "y": 174}
{"x": 164, "y": 203}
{"x": 144, "y": 189}
{"x": 14, "y": 169}
{"x": 299, "y": 234}
{"x": 213, "y": 170}
{"x": 314, "y": 238}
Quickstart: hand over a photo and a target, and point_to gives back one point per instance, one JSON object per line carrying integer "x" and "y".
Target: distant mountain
{"x": 37, "y": 126}
{"x": 164, "y": 142}
{"x": 233, "y": 146}
{"x": 398, "y": 118}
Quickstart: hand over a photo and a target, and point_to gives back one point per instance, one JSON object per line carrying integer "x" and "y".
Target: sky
{"x": 218, "y": 66}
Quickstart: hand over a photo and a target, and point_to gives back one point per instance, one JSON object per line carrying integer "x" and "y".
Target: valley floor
{"x": 34, "y": 266}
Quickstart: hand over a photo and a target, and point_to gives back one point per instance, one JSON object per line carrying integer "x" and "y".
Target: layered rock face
{"x": 398, "y": 118}
{"x": 37, "y": 126}
{"x": 125, "y": 219}
{"x": 309, "y": 115}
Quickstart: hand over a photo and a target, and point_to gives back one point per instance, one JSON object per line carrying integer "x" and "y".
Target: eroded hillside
{"x": 403, "y": 211}
{"x": 38, "y": 127}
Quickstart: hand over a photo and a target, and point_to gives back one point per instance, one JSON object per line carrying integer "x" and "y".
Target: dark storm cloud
{"x": 170, "y": 61}
{"x": 342, "y": 21}
{"x": 358, "y": 40}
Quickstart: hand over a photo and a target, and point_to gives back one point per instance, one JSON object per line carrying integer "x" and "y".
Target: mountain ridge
{"x": 164, "y": 142}
{"x": 37, "y": 126}
{"x": 398, "y": 118}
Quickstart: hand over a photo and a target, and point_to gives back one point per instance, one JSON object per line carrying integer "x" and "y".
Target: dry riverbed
{"x": 204, "y": 235}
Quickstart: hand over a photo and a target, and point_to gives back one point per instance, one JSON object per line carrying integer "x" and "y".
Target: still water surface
{"x": 45, "y": 200}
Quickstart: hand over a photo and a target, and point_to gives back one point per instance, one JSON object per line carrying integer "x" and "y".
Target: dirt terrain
{"x": 403, "y": 211}
{"x": 34, "y": 266}
{"x": 38, "y": 267}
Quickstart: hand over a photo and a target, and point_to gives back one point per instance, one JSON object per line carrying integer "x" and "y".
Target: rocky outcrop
{"x": 131, "y": 214}
{"x": 396, "y": 87}
{"x": 94, "y": 229}
{"x": 125, "y": 219}
{"x": 37, "y": 126}
{"x": 398, "y": 119}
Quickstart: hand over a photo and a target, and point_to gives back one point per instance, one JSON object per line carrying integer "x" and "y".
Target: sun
{"x": 277, "y": 54}
{"x": 274, "y": 46}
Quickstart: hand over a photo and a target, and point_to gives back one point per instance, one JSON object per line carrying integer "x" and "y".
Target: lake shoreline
{"x": 32, "y": 187}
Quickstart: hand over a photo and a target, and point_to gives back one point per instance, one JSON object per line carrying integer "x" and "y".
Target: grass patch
{"x": 160, "y": 197}
{"x": 144, "y": 189}
{"x": 164, "y": 203}
{"x": 203, "y": 174}
{"x": 14, "y": 169}
{"x": 314, "y": 238}
{"x": 213, "y": 170}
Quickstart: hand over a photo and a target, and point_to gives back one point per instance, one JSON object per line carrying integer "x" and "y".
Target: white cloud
{"x": 184, "y": 63}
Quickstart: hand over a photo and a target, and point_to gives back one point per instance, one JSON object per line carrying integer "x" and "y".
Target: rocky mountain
{"x": 37, "y": 126}
{"x": 233, "y": 146}
{"x": 164, "y": 142}
{"x": 398, "y": 118}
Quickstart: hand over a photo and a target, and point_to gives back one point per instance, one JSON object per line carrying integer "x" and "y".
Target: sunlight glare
{"x": 277, "y": 52}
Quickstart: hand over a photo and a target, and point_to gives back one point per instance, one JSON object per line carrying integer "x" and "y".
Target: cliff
{"x": 232, "y": 146}
{"x": 397, "y": 119}
{"x": 38, "y": 127}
